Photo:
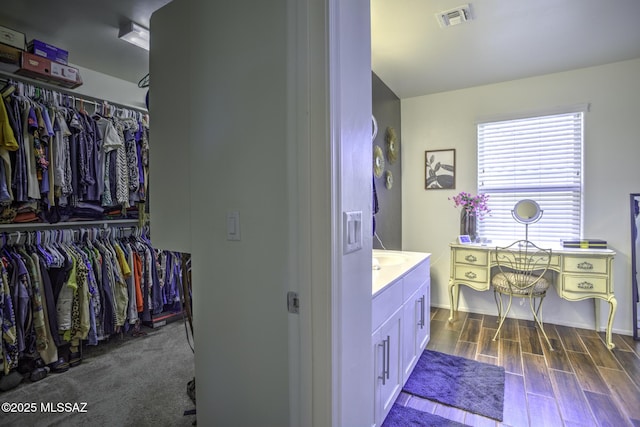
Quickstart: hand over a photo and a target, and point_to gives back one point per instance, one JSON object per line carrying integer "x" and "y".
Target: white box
{"x": 64, "y": 71}
{"x": 13, "y": 38}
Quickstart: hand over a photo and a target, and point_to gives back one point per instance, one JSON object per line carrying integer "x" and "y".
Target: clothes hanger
{"x": 41, "y": 249}
{"x": 97, "y": 114}
{"x": 7, "y": 90}
{"x": 81, "y": 110}
{"x": 6, "y": 246}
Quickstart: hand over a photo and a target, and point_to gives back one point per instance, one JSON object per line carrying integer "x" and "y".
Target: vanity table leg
{"x": 454, "y": 293}
{"x": 613, "y": 304}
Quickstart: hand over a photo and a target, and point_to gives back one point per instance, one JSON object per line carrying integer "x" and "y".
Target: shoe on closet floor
{"x": 38, "y": 374}
{"x": 10, "y": 381}
{"x": 59, "y": 366}
{"x": 74, "y": 359}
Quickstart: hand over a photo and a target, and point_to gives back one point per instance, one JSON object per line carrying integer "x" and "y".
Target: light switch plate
{"x": 352, "y": 231}
{"x": 233, "y": 225}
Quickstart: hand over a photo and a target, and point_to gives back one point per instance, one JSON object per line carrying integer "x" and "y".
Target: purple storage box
{"x": 48, "y": 51}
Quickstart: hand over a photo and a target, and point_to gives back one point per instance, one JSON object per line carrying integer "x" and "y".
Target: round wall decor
{"x": 388, "y": 180}
{"x": 393, "y": 146}
{"x": 378, "y": 162}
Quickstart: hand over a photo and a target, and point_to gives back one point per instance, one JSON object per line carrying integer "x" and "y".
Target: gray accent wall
{"x": 386, "y": 109}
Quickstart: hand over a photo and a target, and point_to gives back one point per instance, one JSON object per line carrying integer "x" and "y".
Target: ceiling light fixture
{"x": 135, "y": 34}
{"x": 454, "y": 16}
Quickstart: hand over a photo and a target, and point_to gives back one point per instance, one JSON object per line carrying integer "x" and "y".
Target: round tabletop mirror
{"x": 527, "y": 211}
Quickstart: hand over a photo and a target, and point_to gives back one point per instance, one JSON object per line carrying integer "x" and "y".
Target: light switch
{"x": 352, "y": 229}
{"x": 233, "y": 225}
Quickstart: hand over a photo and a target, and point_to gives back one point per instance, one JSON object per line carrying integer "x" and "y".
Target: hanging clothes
{"x": 56, "y": 295}
{"x": 66, "y": 160}
{"x": 8, "y": 142}
{"x": 10, "y": 350}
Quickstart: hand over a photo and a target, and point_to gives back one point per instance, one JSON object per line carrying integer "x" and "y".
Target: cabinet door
{"x": 415, "y": 330}
{"x": 387, "y": 369}
{"x": 424, "y": 329}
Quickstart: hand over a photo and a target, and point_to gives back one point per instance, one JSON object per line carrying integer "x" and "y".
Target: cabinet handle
{"x": 388, "y": 355}
{"x": 385, "y": 359}
{"x": 471, "y": 258}
{"x": 585, "y": 285}
{"x": 421, "y": 322}
{"x": 470, "y": 275}
{"x": 585, "y": 266}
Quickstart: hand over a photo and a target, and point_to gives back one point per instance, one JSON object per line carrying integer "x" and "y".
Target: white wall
{"x": 169, "y": 160}
{"x": 351, "y": 94}
{"x": 108, "y": 88}
{"x": 611, "y": 172}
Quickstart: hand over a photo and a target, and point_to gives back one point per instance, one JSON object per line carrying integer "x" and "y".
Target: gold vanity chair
{"x": 521, "y": 269}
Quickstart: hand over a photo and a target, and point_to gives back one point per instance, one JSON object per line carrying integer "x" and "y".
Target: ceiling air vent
{"x": 454, "y": 16}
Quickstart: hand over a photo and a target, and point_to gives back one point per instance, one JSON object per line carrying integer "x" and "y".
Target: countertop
{"x": 393, "y": 264}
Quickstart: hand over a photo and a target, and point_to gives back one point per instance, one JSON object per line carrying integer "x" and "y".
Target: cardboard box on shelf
{"x": 9, "y": 54}
{"x": 12, "y": 38}
{"x": 40, "y": 68}
{"x": 48, "y": 51}
{"x": 64, "y": 72}
{"x": 34, "y": 66}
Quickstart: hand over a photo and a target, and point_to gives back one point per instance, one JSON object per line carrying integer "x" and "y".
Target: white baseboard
{"x": 570, "y": 324}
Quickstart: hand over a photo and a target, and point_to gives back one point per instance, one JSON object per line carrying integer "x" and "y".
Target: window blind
{"x": 537, "y": 158}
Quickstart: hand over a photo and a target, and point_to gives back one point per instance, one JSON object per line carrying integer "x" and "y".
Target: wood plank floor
{"x": 580, "y": 383}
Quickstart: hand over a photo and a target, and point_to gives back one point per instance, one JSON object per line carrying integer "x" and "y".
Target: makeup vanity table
{"x": 578, "y": 274}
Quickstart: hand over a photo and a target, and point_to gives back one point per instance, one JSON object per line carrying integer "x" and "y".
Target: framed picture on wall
{"x": 440, "y": 169}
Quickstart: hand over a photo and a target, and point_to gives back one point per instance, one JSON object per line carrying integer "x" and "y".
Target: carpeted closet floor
{"x": 127, "y": 381}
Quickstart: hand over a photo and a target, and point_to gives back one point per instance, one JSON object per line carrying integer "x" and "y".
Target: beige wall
{"x": 233, "y": 158}
{"x": 280, "y": 131}
{"x": 611, "y": 172}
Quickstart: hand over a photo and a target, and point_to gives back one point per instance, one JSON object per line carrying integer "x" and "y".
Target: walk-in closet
{"x": 95, "y": 319}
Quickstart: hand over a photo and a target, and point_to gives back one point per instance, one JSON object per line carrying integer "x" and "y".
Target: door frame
{"x": 328, "y": 361}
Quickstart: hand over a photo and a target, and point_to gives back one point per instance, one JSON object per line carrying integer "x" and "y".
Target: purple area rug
{"x": 462, "y": 383}
{"x": 403, "y": 416}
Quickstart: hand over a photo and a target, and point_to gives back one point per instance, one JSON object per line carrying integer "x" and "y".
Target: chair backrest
{"x": 522, "y": 263}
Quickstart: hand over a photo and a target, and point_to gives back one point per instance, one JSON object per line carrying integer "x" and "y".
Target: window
{"x": 537, "y": 158}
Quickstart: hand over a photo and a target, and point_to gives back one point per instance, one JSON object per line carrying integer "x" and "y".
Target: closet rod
{"x": 5, "y": 77}
{"x": 29, "y": 226}
{"x": 32, "y": 235}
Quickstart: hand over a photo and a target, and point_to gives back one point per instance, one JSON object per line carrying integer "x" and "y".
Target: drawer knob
{"x": 471, "y": 258}
{"x": 470, "y": 275}
{"x": 585, "y": 266}
{"x": 585, "y": 285}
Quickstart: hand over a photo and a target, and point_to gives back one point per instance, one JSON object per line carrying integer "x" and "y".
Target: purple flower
{"x": 474, "y": 205}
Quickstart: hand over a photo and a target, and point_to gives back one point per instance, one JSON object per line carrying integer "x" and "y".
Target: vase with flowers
{"x": 473, "y": 208}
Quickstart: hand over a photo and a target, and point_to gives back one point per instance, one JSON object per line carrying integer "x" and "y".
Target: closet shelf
{"x": 6, "y": 75}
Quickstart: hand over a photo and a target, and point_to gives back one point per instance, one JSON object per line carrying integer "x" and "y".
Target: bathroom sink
{"x": 382, "y": 260}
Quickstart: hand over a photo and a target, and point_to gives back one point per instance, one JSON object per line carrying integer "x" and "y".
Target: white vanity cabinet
{"x": 387, "y": 370}
{"x": 400, "y": 322}
{"x": 415, "y": 329}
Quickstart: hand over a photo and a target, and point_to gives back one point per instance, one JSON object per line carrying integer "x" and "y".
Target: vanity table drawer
{"x": 585, "y": 265}
{"x": 469, "y": 273}
{"x": 585, "y": 284}
{"x": 469, "y": 256}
